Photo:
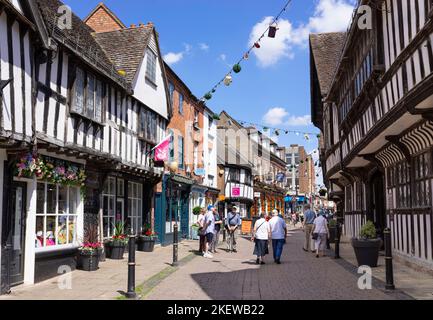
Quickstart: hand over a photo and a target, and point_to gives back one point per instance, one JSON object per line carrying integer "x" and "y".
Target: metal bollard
{"x": 224, "y": 234}
{"x": 337, "y": 241}
{"x": 131, "y": 269}
{"x": 175, "y": 245}
{"x": 388, "y": 260}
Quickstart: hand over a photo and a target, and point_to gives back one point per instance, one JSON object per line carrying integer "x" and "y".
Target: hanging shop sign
{"x": 280, "y": 177}
{"x": 200, "y": 172}
{"x": 257, "y": 195}
{"x": 236, "y": 192}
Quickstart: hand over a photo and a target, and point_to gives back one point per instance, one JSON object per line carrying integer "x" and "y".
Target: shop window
{"x": 135, "y": 208}
{"x": 56, "y": 216}
{"x": 422, "y": 181}
{"x": 88, "y": 96}
{"x": 108, "y": 206}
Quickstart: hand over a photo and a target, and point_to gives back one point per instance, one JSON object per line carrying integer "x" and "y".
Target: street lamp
{"x": 173, "y": 166}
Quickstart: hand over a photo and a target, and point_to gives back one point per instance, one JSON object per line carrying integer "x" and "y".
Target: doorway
{"x": 13, "y": 237}
{"x": 377, "y": 212}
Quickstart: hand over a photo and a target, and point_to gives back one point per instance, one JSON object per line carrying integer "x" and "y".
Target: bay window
{"x": 88, "y": 96}
{"x": 56, "y": 215}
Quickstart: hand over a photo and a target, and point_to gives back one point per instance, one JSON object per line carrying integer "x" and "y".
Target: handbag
{"x": 315, "y": 236}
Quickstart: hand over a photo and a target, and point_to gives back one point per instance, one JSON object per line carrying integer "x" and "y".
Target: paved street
{"x": 236, "y": 276}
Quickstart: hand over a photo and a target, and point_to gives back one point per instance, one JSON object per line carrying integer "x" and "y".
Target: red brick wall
{"x": 102, "y": 21}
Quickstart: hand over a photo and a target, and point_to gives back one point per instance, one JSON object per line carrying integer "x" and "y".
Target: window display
{"x": 56, "y": 215}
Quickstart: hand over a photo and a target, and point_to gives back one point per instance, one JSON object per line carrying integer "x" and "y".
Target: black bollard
{"x": 337, "y": 241}
{"x": 175, "y": 245}
{"x": 388, "y": 261}
{"x": 131, "y": 269}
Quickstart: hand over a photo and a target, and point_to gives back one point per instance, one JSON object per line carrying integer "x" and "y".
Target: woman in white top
{"x": 322, "y": 231}
{"x": 262, "y": 234}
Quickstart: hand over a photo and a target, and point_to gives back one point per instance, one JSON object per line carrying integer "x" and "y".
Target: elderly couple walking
{"x": 209, "y": 230}
{"x": 316, "y": 230}
{"x": 264, "y": 230}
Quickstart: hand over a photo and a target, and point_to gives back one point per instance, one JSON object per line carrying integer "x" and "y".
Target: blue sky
{"x": 203, "y": 38}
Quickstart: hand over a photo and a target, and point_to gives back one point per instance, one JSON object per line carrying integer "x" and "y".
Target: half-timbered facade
{"x": 76, "y": 135}
{"x": 375, "y": 112}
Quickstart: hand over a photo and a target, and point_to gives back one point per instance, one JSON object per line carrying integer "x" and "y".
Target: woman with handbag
{"x": 320, "y": 234}
{"x": 261, "y": 236}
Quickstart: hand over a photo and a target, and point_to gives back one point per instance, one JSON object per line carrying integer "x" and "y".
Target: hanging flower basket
{"x": 323, "y": 192}
{"x": 208, "y": 96}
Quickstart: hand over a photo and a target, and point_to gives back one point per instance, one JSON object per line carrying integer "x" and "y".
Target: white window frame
{"x": 57, "y": 215}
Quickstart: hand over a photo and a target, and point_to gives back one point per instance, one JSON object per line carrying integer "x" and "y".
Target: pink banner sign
{"x": 236, "y": 192}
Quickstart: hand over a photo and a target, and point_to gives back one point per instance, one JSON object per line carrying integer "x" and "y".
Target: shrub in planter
{"x": 367, "y": 246}
{"x": 146, "y": 241}
{"x": 88, "y": 256}
{"x": 117, "y": 244}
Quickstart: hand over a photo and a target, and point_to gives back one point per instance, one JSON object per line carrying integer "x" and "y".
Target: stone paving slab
{"x": 107, "y": 282}
{"x": 237, "y": 277}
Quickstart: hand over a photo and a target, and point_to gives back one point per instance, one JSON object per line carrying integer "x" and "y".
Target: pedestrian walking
{"x": 294, "y": 219}
{"x": 209, "y": 225}
{"x": 279, "y": 234}
{"x": 261, "y": 236}
{"x": 320, "y": 234}
{"x": 216, "y": 235}
{"x": 202, "y": 231}
{"x": 233, "y": 222}
{"x": 309, "y": 217}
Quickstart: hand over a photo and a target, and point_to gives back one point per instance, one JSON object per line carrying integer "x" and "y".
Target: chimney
{"x": 133, "y": 25}
{"x": 150, "y": 23}
{"x": 141, "y": 25}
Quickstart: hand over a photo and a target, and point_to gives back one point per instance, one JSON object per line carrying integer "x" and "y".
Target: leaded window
{"x": 151, "y": 66}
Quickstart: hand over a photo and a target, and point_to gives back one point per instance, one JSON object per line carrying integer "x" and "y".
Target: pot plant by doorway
{"x": 117, "y": 244}
{"x": 88, "y": 256}
{"x": 367, "y": 246}
{"x": 146, "y": 241}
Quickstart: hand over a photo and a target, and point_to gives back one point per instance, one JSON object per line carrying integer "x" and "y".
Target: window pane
{"x": 40, "y": 198}
{"x": 39, "y": 232}
{"x": 120, "y": 188}
{"x": 73, "y": 200}
{"x": 62, "y": 230}
{"x": 51, "y": 199}
{"x": 72, "y": 229}
{"x": 98, "y": 103}
{"x": 90, "y": 105}
{"x": 50, "y": 233}
{"x": 151, "y": 66}
{"x": 63, "y": 198}
{"x": 79, "y": 92}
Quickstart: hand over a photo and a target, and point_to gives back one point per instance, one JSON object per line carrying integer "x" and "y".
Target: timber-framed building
{"x": 374, "y": 106}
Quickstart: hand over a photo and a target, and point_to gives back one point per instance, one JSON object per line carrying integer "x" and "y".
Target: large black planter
{"x": 367, "y": 251}
{"x": 145, "y": 244}
{"x": 115, "y": 250}
{"x": 88, "y": 261}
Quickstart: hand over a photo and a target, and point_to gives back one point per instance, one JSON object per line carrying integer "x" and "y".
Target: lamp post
{"x": 173, "y": 166}
{"x": 131, "y": 268}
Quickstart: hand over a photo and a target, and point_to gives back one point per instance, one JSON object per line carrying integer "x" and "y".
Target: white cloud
{"x": 204, "y": 47}
{"x": 280, "y": 116}
{"x": 275, "y": 116}
{"x": 223, "y": 57}
{"x": 174, "y": 57}
{"x": 299, "y": 121}
{"x": 328, "y": 16}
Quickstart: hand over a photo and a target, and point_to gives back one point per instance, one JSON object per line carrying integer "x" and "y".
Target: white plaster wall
{"x": 154, "y": 98}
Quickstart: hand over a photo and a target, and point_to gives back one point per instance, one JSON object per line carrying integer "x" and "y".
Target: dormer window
{"x": 151, "y": 66}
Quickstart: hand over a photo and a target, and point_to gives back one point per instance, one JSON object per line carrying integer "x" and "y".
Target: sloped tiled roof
{"x": 78, "y": 39}
{"x": 326, "y": 49}
{"x": 126, "y": 47}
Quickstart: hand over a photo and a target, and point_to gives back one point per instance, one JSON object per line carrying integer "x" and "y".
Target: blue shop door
{"x": 184, "y": 218}
{"x": 160, "y": 217}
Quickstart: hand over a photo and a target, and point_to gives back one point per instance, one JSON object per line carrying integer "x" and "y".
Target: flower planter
{"x": 367, "y": 251}
{"x": 115, "y": 250}
{"x": 145, "y": 244}
{"x": 194, "y": 234}
{"x": 88, "y": 261}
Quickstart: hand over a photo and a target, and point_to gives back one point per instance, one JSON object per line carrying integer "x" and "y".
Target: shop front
{"x": 172, "y": 205}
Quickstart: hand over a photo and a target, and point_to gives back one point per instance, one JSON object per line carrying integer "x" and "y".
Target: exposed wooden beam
{"x": 395, "y": 140}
